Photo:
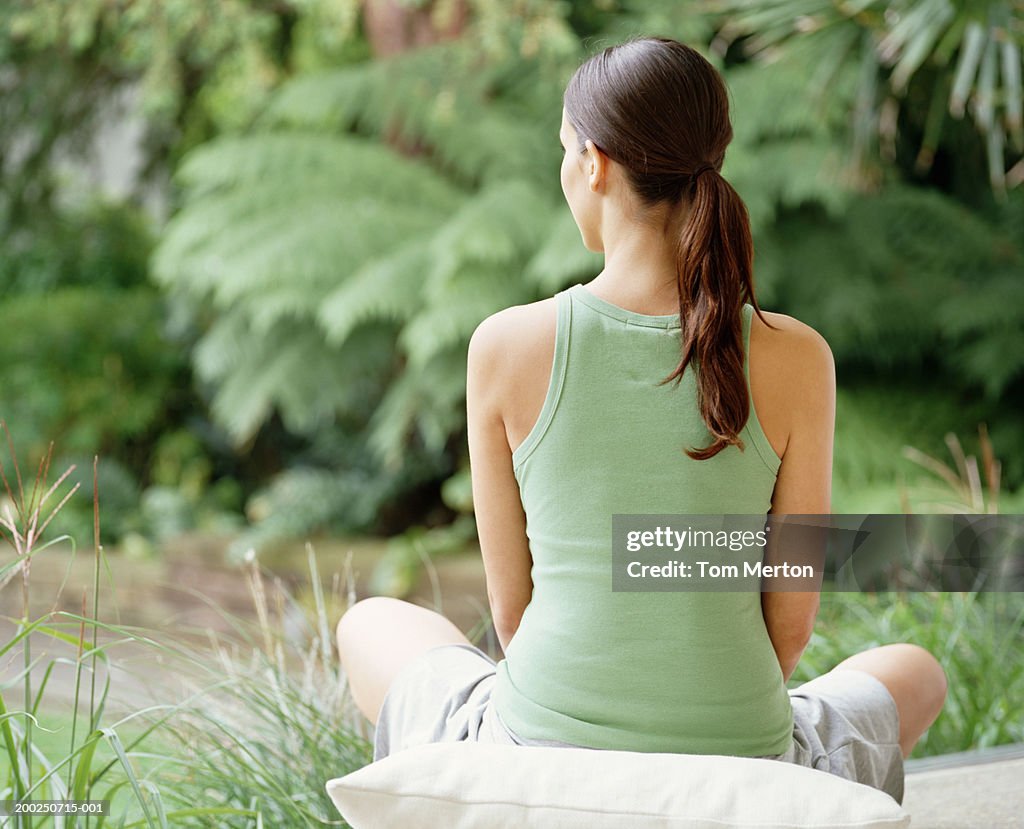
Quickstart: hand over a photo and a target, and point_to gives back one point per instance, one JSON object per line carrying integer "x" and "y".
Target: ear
{"x": 595, "y": 166}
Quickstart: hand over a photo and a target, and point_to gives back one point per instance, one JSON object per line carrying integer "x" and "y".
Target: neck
{"x": 640, "y": 261}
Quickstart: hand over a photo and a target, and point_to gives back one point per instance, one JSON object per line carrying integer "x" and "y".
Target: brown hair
{"x": 661, "y": 110}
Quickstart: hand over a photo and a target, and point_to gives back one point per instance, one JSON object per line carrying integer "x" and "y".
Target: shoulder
{"x": 795, "y": 356}
{"x": 506, "y": 339}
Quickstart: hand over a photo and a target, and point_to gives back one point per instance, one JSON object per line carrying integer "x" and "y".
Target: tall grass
{"x": 279, "y": 724}
{"x": 244, "y": 731}
{"x": 978, "y": 637}
{"x": 246, "y": 727}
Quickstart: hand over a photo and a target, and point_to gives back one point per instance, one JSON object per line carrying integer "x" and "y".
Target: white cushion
{"x": 469, "y": 785}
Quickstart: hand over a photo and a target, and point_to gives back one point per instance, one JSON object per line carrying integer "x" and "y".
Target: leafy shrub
{"x": 98, "y": 244}
{"x": 908, "y": 281}
{"x": 88, "y": 368}
{"x": 873, "y": 424}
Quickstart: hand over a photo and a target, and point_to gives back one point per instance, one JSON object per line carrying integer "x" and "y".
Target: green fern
{"x": 787, "y": 144}
{"x": 561, "y": 258}
{"x": 289, "y": 369}
{"x": 386, "y": 288}
{"x": 423, "y": 408}
{"x": 342, "y": 252}
{"x": 309, "y": 229}
{"x": 501, "y": 225}
{"x": 903, "y": 279}
{"x": 441, "y": 97}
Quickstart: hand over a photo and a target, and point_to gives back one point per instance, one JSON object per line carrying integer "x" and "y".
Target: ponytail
{"x": 714, "y": 260}
{"x": 659, "y": 109}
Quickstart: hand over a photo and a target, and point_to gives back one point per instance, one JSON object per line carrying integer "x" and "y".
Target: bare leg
{"x": 378, "y": 636}
{"x": 915, "y": 679}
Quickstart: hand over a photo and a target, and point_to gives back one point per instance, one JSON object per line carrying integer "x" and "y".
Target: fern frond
{"x": 389, "y": 287}
{"x": 927, "y": 230}
{"x": 308, "y": 204}
{"x": 562, "y": 257}
{"x": 786, "y": 174}
{"x": 501, "y": 225}
{"x": 315, "y": 241}
{"x": 327, "y": 100}
{"x": 994, "y": 359}
{"x": 223, "y": 347}
{"x": 421, "y": 407}
{"x": 288, "y": 369}
{"x": 903, "y": 277}
{"x": 438, "y": 97}
{"x": 475, "y": 293}
{"x": 341, "y": 163}
{"x": 787, "y": 147}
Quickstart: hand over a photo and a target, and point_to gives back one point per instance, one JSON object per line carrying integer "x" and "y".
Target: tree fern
{"x": 904, "y": 278}
{"x": 438, "y": 97}
{"x": 345, "y": 248}
{"x": 295, "y": 205}
{"x": 561, "y": 258}
{"x": 289, "y": 369}
{"x": 386, "y": 288}
{"x": 422, "y": 408}
{"x": 342, "y": 250}
{"x": 475, "y": 293}
{"x": 788, "y": 142}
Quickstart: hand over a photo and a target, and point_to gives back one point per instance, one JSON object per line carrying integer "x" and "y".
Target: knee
{"x": 360, "y": 617}
{"x": 933, "y": 678}
{"x": 914, "y": 677}
{"x": 930, "y": 684}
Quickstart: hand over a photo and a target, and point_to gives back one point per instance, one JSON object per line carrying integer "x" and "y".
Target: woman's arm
{"x": 804, "y": 484}
{"x": 500, "y": 519}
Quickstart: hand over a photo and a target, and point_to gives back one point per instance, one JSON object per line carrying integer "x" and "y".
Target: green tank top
{"x": 683, "y": 672}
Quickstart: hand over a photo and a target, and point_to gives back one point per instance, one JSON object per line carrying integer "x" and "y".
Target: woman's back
{"x": 652, "y": 671}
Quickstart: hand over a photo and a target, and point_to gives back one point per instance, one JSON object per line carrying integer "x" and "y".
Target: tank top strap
{"x": 753, "y": 429}
{"x": 747, "y": 311}
{"x": 563, "y": 325}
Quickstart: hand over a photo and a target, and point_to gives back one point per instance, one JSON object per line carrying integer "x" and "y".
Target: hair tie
{"x": 703, "y": 168}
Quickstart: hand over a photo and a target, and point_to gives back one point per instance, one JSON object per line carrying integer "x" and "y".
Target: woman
{"x": 588, "y": 404}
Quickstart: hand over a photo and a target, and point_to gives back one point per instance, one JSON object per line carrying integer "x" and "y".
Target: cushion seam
{"x": 578, "y": 810}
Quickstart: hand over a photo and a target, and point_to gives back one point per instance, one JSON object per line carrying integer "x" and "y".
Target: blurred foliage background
{"x": 245, "y": 242}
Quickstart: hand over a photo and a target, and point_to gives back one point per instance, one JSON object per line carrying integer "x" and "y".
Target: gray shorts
{"x": 844, "y": 722}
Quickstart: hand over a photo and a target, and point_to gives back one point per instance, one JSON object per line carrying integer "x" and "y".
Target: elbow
{"x": 802, "y": 637}
{"x": 790, "y": 650}
{"x": 794, "y": 642}
{"x": 504, "y": 634}
{"x": 790, "y": 618}
{"x": 506, "y": 624}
